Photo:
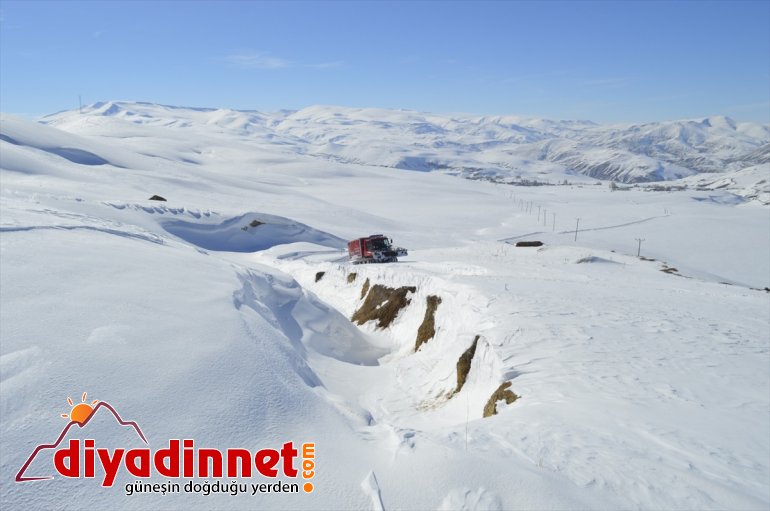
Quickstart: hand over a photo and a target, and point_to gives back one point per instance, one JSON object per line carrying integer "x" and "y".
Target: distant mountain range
{"x": 506, "y": 147}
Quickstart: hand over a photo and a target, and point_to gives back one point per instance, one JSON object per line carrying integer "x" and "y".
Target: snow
{"x": 638, "y": 388}
{"x": 750, "y": 182}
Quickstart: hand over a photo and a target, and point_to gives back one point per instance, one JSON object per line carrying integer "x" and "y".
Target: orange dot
{"x": 308, "y": 487}
{"x": 81, "y": 412}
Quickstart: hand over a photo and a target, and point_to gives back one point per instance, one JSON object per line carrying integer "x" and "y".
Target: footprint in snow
{"x": 464, "y": 499}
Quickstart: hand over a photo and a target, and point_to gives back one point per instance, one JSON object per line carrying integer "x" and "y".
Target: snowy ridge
{"x": 752, "y": 183}
{"x": 505, "y": 146}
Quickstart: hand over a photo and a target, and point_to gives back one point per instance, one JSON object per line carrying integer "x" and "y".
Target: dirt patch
{"x": 501, "y": 394}
{"x": 464, "y": 364}
{"x": 529, "y": 243}
{"x": 253, "y": 223}
{"x": 673, "y": 271}
{"x": 383, "y": 304}
{"x": 365, "y": 288}
{"x": 319, "y": 275}
{"x": 352, "y": 277}
{"x": 428, "y": 327}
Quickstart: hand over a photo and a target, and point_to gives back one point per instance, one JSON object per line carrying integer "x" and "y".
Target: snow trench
{"x": 250, "y": 232}
{"x": 457, "y": 313}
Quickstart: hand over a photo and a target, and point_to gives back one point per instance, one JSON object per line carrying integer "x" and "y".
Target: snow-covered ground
{"x": 639, "y": 388}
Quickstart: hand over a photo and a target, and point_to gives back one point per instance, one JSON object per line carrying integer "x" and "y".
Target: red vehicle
{"x": 376, "y": 248}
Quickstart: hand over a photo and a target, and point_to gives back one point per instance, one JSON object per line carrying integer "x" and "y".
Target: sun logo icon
{"x": 80, "y": 412}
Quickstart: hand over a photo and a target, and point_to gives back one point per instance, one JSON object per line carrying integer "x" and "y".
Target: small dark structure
{"x": 157, "y": 197}
{"x": 529, "y": 243}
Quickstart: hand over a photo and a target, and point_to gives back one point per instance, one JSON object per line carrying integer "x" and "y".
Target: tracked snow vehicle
{"x": 376, "y": 248}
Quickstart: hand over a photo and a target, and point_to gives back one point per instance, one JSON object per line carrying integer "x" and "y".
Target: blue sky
{"x": 608, "y": 61}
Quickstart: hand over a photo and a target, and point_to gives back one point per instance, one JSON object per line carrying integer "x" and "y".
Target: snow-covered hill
{"x": 513, "y": 147}
{"x": 223, "y": 314}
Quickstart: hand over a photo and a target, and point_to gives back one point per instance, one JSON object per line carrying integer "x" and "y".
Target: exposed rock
{"x": 319, "y": 275}
{"x": 382, "y": 304}
{"x": 464, "y": 364}
{"x": 501, "y": 394}
{"x": 352, "y": 277}
{"x": 365, "y": 288}
{"x": 157, "y": 197}
{"x": 428, "y": 327}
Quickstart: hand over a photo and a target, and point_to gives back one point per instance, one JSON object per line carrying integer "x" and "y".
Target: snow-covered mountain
{"x": 504, "y": 146}
{"x": 224, "y": 314}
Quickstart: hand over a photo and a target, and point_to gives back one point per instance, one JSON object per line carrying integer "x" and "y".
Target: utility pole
{"x": 554, "y": 222}
{"x": 538, "y": 214}
{"x": 576, "y": 228}
{"x": 545, "y": 216}
{"x": 639, "y": 250}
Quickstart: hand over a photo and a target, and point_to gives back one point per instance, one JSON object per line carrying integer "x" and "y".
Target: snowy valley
{"x": 223, "y": 313}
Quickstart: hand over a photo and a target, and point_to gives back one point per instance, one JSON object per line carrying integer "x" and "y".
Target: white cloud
{"x": 609, "y": 82}
{"x": 257, "y": 60}
{"x": 264, "y": 60}
{"x": 327, "y": 65}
